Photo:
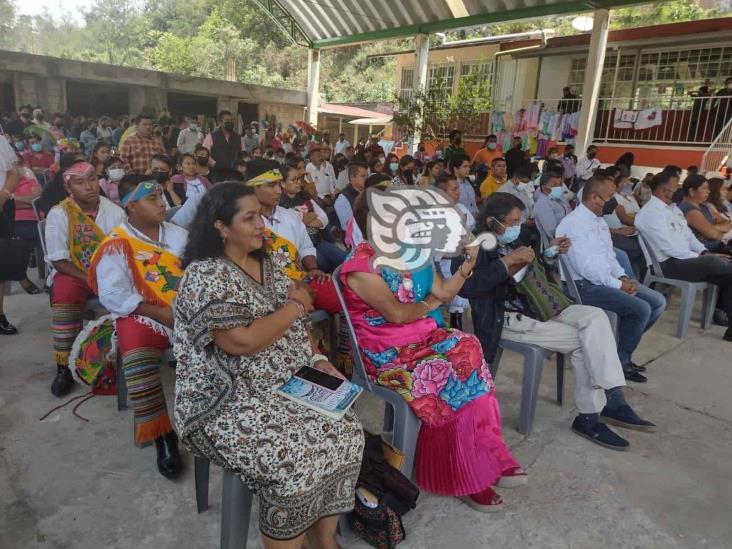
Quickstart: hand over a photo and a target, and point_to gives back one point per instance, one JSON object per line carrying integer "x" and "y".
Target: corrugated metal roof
{"x": 328, "y": 23}
{"x": 348, "y": 110}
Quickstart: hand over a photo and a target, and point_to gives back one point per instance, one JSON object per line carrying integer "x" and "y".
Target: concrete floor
{"x": 67, "y": 484}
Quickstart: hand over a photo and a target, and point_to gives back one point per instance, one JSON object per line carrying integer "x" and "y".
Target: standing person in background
{"x": 724, "y": 105}
{"x": 9, "y": 179}
{"x": 377, "y": 151}
{"x": 460, "y": 168}
{"x": 224, "y": 143}
{"x": 250, "y": 140}
{"x": 88, "y": 137}
{"x": 124, "y": 123}
{"x": 488, "y": 153}
{"x": 321, "y": 173}
{"x": 570, "y": 102}
{"x": 203, "y": 161}
{"x": 341, "y": 145}
{"x": 586, "y": 166}
{"x": 189, "y": 136}
{"x": 515, "y": 157}
{"x": 456, "y": 145}
{"x": 137, "y": 150}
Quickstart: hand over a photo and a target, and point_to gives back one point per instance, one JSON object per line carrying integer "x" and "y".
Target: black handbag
{"x": 14, "y": 255}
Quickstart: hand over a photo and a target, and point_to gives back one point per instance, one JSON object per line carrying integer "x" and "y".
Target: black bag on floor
{"x": 14, "y": 255}
{"x": 381, "y": 527}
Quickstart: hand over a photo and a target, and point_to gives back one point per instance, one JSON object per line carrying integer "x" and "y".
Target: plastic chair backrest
{"x": 171, "y": 212}
{"x": 34, "y": 205}
{"x": 571, "y": 286}
{"x": 42, "y": 236}
{"x": 358, "y": 366}
{"x": 650, "y": 255}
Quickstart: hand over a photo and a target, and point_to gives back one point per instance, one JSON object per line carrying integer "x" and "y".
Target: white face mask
{"x": 115, "y": 174}
{"x": 193, "y": 127}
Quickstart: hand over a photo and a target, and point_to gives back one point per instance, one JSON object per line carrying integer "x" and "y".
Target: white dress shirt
{"x": 342, "y": 181}
{"x": 57, "y": 230}
{"x": 591, "y": 256}
{"x": 287, "y": 224}
{"x": 341, "y": 146}
{"x": 117, "y": 291}
{"x": 666, "y": 231}
{"x": 323, "y": 177}
{"x": 343, "y": 210}
{"x": 525, "y": 193}
{"x": 586, "y": 167}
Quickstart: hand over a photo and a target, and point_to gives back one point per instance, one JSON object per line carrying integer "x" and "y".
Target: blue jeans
{"x": 329, "y": 256}
{"x": 636, "y": 313}
{"x": 624, "y": 261}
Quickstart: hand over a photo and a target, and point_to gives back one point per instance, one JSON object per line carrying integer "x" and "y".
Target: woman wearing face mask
{"x": 404, "y": 174}
{"x": 391, "y": 165}
{"x": 36, "y": 158}
{"x": 619, "y": 214}
{"x": 115, "y": 171}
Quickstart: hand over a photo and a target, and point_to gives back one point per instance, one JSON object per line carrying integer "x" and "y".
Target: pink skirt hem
{"x": 466, "y": 454}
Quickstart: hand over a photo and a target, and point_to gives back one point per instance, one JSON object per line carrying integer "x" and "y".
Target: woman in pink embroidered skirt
{"x": 439, "y": 371}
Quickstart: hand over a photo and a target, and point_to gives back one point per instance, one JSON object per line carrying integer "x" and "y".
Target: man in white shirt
{"x": 250, "y": 140}
{"x": 341, "y": 145}
{"x": 587, "y": 165}
{"x": 520, "y": 186}
{"x": 142, "y": 306}
{"x": 74, "y": 230}
{"x": 600, "y": 279}
{"x": 681, "y": 255}
{"x": 189, "y": 136}
{"x": 322, "y": 174}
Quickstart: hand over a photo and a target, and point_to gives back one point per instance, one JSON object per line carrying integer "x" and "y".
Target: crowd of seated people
{"x": 246, "y": 233}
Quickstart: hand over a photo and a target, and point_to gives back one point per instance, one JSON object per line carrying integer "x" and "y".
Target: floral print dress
{"x": 443, "y": 376}
{"x": 303, "y": 465}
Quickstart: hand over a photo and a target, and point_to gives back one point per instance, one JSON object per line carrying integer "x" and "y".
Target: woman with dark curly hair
{"x": 240, "y": 333}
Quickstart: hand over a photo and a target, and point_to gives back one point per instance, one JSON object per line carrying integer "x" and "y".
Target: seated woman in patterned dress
{"x": 240, "y": 333}
{"x": 439, "y": 371}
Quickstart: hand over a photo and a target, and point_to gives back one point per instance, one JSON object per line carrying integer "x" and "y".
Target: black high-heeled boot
{"x": 6, "y": 328}
{"x": 168, "y": 457}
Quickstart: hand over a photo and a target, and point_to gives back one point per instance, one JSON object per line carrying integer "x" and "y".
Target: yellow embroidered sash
{"x": 85, "y": 236}
{"x": 284, "y": 254}
{"x": 155, "y": 271}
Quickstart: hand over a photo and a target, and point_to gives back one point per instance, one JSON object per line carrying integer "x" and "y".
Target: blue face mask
{"x": 36, "y": 147}
{"x": 510, "y": 234}
{"x": 556, "y": 193}
{"x": 393, "y": 166}
{"x": 19, "y": 145}
{"x": 551, "y": 251}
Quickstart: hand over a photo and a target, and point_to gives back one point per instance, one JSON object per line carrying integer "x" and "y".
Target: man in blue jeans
{"x": 601, "y": 280}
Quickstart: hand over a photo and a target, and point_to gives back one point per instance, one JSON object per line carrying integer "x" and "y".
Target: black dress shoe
{"x": 6, "y": 328}
{"x": 169, "y": 463}
{"x": 637, "y": 367}
{"x": 624, "y": 416}
{"x": 634, "y": 375}
{"x": 727, "y": 335}
{"x": 63, "y": 382}
{"x": 599, "y": 433}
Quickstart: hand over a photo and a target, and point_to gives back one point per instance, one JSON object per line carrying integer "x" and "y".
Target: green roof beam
{"x": 289, "y": 26}
{"x": 558, "y": 8}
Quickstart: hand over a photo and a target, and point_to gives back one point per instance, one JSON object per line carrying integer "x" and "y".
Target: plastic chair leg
{"x": 688, "y": 295}
{"x": 560, "y": 378}
{"x": 388, "y": 426}
{"x": 533, "y": 365}
{"x": 121, "y": 384}
{"x": 236, "y": 506}
{"x": 493, "y": 366}
{"x": 709, "y": 303}
{"x": 200, "y": 470}
{"x": 406, "y": 431}
{"x": 40, "y": 264}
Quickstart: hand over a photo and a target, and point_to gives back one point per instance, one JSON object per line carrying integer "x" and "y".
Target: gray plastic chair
{"x": 40, "y": 250}
{"x": 654, "y": 275}
{"x": 398, "y": 417}
{"x": 236, "y": 504}
{"x": 534, "y": 357}
{"x": 574, "y": 294}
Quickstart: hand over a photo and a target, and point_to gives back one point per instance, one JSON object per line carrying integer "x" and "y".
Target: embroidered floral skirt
{"x": 446, "y": 382}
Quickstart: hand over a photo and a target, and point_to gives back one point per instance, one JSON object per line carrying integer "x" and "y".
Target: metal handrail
{"x": 718, "y": 153}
